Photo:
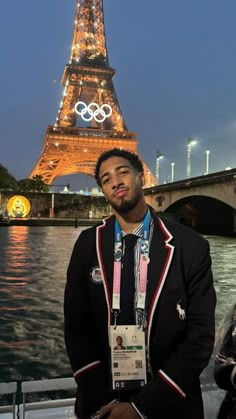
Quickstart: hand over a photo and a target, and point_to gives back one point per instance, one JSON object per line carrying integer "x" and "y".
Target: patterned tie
{"x": 127, "y": 291}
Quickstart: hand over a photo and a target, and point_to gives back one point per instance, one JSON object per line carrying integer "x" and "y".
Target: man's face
{"x": 119, "y": 340}
{"x": 121, "y": 184}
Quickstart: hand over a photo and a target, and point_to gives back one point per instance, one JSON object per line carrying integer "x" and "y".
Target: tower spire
{"x": 89, "y": 41}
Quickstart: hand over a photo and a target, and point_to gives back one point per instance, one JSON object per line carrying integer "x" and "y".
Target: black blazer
{"x": 180, "y": 343}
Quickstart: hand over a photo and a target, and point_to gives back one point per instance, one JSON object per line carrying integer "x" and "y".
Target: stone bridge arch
{"x": 205, "y": 214}
{"x": 207, "y": 203}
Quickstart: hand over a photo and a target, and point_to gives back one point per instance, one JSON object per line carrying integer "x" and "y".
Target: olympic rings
{"x": 87, "y": 113}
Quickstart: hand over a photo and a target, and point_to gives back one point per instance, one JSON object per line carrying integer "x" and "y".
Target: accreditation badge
{"x": 128, "y": 357}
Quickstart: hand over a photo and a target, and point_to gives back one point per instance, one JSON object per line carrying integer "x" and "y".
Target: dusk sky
{"x": 175, "y": 65}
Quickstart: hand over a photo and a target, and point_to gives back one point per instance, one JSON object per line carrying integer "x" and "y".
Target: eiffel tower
{"x": 89, "y": 119}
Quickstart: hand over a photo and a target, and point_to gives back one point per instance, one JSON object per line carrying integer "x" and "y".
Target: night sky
{"x": 175, "y": 65}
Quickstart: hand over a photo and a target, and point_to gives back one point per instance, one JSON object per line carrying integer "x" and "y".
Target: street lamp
{"x": 158, "y": 158}
{"x": 172, "y": 172}
{"x": 191, "y": 142}
{"x": 148, "y": 178}
{"x": 51, "y": 211}
{"x": 207, "y": 162}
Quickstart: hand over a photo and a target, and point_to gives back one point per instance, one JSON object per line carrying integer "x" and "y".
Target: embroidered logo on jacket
{"x": 181, "y": 311}
{"x": 96, "y": 275}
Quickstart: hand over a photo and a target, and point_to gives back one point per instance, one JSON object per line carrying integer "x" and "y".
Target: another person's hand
{"x": 118, "y": 411}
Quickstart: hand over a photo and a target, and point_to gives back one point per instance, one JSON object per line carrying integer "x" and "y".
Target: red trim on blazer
{"x": 86, "y": 368}
{"x": 163, "y": 273}
{"x": 172, "y": 384}
{"x": 107, "y": 293}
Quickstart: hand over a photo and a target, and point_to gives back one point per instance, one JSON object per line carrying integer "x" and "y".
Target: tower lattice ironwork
{"x": 89, "y": 120}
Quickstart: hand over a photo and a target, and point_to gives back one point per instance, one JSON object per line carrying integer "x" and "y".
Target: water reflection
{"x": 32, "y": 277}
{"x": 16, "y": 250}
{"x": 33, "y": 264}
{"x": 223, "y": 253}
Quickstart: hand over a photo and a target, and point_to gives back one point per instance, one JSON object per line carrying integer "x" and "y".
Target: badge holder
{"x": 128, "y": 357}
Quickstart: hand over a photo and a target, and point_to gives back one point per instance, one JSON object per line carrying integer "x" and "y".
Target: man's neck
{"x": 130, "y": 220}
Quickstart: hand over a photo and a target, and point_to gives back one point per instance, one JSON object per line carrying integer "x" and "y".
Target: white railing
{"x": 42, "y": 386}
{"x": 8, "y": 388}
{"x": 64, "y": 408}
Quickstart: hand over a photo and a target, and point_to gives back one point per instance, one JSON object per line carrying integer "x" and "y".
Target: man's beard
{"x": 126, "y": 205}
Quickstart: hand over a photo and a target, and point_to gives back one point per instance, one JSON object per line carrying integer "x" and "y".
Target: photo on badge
{"x": 119, "y": 343}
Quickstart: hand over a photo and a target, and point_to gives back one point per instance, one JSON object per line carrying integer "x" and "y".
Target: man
{"x": 170, "y": 321}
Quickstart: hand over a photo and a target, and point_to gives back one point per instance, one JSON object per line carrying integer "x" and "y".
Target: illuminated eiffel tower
{"x": 89, "y": 120}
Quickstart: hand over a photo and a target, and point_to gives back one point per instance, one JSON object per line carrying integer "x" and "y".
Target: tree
{"x": 39, "y": 184}
{"x": 7, "y": 181}
{"x": 25, "y": 185}
{"x": 36, "y": 184}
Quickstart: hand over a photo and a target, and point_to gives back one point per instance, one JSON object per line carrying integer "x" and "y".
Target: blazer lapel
{"x": 105, "y": 253}
{"x": 161, "y": 253}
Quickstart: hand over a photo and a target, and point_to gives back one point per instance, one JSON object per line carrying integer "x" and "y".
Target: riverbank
{"x": 52, "y": 222}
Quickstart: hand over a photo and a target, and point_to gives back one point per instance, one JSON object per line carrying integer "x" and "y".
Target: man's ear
{"x": 142, "y": 178}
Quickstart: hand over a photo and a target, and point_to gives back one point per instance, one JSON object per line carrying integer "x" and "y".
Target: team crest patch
{"x": 96, "y": 275}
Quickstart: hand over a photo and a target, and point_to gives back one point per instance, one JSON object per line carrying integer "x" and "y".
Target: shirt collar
{"x": 138, "y": 231}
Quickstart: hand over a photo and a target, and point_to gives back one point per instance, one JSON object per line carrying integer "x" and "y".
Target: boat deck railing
{"x": 9, "y": 411}
{"x": 63, "y": 408}
{"x": 62, "y": 405}
{"x": 45, "y": 409}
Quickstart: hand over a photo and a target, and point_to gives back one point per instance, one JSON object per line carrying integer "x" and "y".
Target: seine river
{"x": 33, "y": 264}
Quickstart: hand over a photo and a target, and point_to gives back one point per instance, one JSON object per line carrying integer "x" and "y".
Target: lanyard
{"x": 143, "y": 266}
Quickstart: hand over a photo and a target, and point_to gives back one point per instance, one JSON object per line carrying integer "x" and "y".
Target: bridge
{"x": 206, "y": 203}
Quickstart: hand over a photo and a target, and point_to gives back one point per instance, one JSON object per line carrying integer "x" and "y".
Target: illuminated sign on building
{"x": 18, "y": 206}
{"x": 93, "y": 111}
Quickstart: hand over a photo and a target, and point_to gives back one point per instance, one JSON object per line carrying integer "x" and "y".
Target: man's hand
{"x": 118, "y": 411}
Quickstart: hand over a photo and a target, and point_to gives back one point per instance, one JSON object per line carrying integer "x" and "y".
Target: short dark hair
{"x": 133, "y": 158}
